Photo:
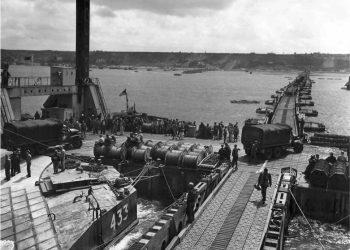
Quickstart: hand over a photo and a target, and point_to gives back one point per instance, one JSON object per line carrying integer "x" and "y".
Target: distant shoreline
{"x": 172, "y": 60}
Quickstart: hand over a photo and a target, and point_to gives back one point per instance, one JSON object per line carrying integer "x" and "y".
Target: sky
{"x": 227, "y": 26}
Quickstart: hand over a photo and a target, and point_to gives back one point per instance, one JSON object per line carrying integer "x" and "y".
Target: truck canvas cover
{"x": 267, "y": 134}
{"x": 31, "y": 131}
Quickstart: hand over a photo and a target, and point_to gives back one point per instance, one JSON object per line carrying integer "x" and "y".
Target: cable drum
{"x": 191, "y": 160}
{"x": 110, "y": 152}
{"x": 159, "y": 153}
{"x": 140, "y": 155}
{"x": 338, "y": 177}
{"x": 174, "y": 157}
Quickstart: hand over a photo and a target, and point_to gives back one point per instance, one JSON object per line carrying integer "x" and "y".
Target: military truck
{"x": 39, "y": 135}
{"x": 272, "y": 139}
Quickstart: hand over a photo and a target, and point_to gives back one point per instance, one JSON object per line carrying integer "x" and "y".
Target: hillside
{"x": 224, "y": 61}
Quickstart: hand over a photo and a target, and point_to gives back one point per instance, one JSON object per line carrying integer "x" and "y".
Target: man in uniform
{"x": 221, "y": 153}
{"x": 29, "y": 162}
{"x": 341, "y": 157}
{"x": 254, "y": 151}
{"x": 264, "y": 181}
{"x": 331, "y": 159}
{"x": 235, "y": 132}
{"x": 235, "y": 156}
{"x": 7, "y": 167}
{"x": 191, "y": 200}
{"x": 55, "y": 161}
{"x": 62, "y": 158}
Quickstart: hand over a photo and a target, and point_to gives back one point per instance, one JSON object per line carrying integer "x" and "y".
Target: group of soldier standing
{"x": 13, "y": 161}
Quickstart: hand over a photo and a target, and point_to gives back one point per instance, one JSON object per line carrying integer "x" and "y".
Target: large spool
{"x": 338, "y": 176}
{"x": 159, "y": 153}
{"x": 111, "y": 152}
{"x": 174, "y": 157}
{"x": 319, "y": 175}
{"x": 191, "y": 160}
{"x": 140, "y": 155}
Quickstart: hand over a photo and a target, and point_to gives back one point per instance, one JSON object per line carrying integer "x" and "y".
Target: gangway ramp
{"x": 234, "y": 218}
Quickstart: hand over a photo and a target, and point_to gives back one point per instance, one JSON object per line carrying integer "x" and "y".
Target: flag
{"x": 123, "y": 93}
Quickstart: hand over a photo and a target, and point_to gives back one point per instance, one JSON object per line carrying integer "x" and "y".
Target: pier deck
{"x": 232, "y": 219}
{"x": 285, "y": 113}
{"x": 235, "y": 218}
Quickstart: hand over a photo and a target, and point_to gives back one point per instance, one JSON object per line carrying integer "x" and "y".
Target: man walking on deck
{"x": 264, "y": 181}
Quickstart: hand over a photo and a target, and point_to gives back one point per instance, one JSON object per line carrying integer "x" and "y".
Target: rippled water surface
{"x": 325, "y": 235}
{"x": 206, "y": 96}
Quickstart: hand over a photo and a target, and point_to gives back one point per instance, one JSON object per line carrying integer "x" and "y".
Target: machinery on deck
{"x": 272, "y": 139}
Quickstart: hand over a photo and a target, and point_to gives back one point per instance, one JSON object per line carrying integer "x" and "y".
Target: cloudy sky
{"x": 280, "y": 26}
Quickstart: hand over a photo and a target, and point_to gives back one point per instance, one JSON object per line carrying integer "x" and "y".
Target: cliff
{"x": 224, "y": 61}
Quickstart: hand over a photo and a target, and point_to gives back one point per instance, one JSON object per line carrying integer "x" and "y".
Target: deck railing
{"x": 28, "y": 81}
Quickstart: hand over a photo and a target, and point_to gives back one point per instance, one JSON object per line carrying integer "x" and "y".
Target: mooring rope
{"x": 166, "y": 181}
{"x": 312, "y": 231}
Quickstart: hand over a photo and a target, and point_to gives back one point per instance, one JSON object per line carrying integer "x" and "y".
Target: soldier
{"x": 29, "y": 162}
{"x": 235, "y": 132}
{"x": 15, "y": 162}
{"x": 221, "y": 153}
{"x": 55, "y": 161}
{"x": 12, "y": 164}
{"x": 7, "y": 167}
{"x": 264, "y": 181}
{"x": 62, "y": 158}
{"x": 341, "y": 157}
{"x": 191, "y": 200}
{"x": 225, "y": 134}
{"x": 254, "y": 151}
{"x": 235, "y": 156}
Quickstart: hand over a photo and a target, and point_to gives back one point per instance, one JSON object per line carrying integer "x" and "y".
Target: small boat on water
{"x": 263, "y": 110}
{"x": 177, "y": 74}
{"x": 314, "y": 127}
{"x": 269, "y": 102}
{"x": 309, "y": 112}
{"x": 245, "y": 101}
{"x": 305, "y": 103}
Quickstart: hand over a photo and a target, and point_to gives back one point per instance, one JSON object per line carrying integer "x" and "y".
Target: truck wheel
{"x": 298, "y": 148}
{"x": 277, "y": 152}
{"x": 268, "y": 153}
{"x": 77, "y": 143}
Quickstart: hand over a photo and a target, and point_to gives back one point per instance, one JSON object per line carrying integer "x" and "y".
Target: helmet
{"x": 190, "y": 185}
